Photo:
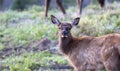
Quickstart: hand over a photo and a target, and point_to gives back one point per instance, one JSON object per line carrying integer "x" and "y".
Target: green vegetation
{"x": 100, "y": 24}
{"x": 31, "y": 61}
{"x": 23, "y": 28}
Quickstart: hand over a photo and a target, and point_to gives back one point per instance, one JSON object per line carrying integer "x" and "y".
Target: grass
{"x": 22, "y": 28}
{"x": 28, "y": 62}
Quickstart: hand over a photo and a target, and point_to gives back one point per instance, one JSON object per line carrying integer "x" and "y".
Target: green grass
{"x": 99, "y": 24}
{"x": 28, "y": 62}
{"x": 22, "y": 28}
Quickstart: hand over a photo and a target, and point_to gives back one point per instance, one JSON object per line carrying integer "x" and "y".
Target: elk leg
{"x": 79, "y": 4}
{"x": 101, "y": 2}
{"x": 59, "y": 3}
{"x": 47, "y": 3}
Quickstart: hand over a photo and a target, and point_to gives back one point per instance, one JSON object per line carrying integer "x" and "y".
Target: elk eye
{"x": 59, "y": 28}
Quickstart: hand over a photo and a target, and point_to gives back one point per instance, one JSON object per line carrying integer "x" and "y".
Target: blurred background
{"x": 24, "y": 4}
{"x": 29, "y": 41}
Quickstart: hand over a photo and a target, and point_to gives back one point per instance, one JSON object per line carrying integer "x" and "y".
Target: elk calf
{"x": 88, "y": 53}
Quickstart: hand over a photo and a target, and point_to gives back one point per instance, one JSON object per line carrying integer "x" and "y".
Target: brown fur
{"x": 93, "y": 53}
{"x": 88, "y": 53}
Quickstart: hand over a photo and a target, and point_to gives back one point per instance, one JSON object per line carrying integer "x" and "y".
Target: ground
{"x": 28, "y": 41}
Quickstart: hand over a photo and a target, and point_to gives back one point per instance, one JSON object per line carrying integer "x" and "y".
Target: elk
{"x": 87, "y": 53}
{"x": 59, "y": 3}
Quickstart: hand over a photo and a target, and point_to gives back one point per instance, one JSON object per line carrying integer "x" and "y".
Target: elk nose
{"x": 64, "y": 32}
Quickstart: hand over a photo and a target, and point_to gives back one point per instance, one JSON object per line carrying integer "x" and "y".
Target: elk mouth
{"x": 64, "y": 36}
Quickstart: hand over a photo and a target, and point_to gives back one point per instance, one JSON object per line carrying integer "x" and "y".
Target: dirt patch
{"x": 43, "y": 45}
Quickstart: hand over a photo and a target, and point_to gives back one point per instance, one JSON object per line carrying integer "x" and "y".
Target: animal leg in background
{"x": 59, "y": 3}
{"x": 47, "y": 3}
{"x": 101, "y": 2}
{"x": 79, "y": 4}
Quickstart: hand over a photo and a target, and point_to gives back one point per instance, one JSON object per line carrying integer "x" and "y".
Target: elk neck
{"x": 64, "y": 43}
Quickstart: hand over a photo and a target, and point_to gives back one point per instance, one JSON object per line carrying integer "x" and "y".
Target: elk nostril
{"x": 64, "y": 32}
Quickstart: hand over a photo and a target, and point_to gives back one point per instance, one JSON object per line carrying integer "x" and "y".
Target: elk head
{"x": 64, "y": 28}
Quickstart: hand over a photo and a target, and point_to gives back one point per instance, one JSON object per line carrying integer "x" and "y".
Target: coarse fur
{"x": 88, "y": 53}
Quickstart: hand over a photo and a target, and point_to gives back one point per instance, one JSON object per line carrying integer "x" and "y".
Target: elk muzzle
{"x": 64, "y": 33}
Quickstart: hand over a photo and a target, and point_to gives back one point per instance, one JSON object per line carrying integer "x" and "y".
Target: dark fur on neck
{"x": 65, "y": 44}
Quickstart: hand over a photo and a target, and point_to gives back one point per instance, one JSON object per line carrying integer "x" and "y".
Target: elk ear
{"x": 55, "y": 20}
{"x": 76, "y": 21}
